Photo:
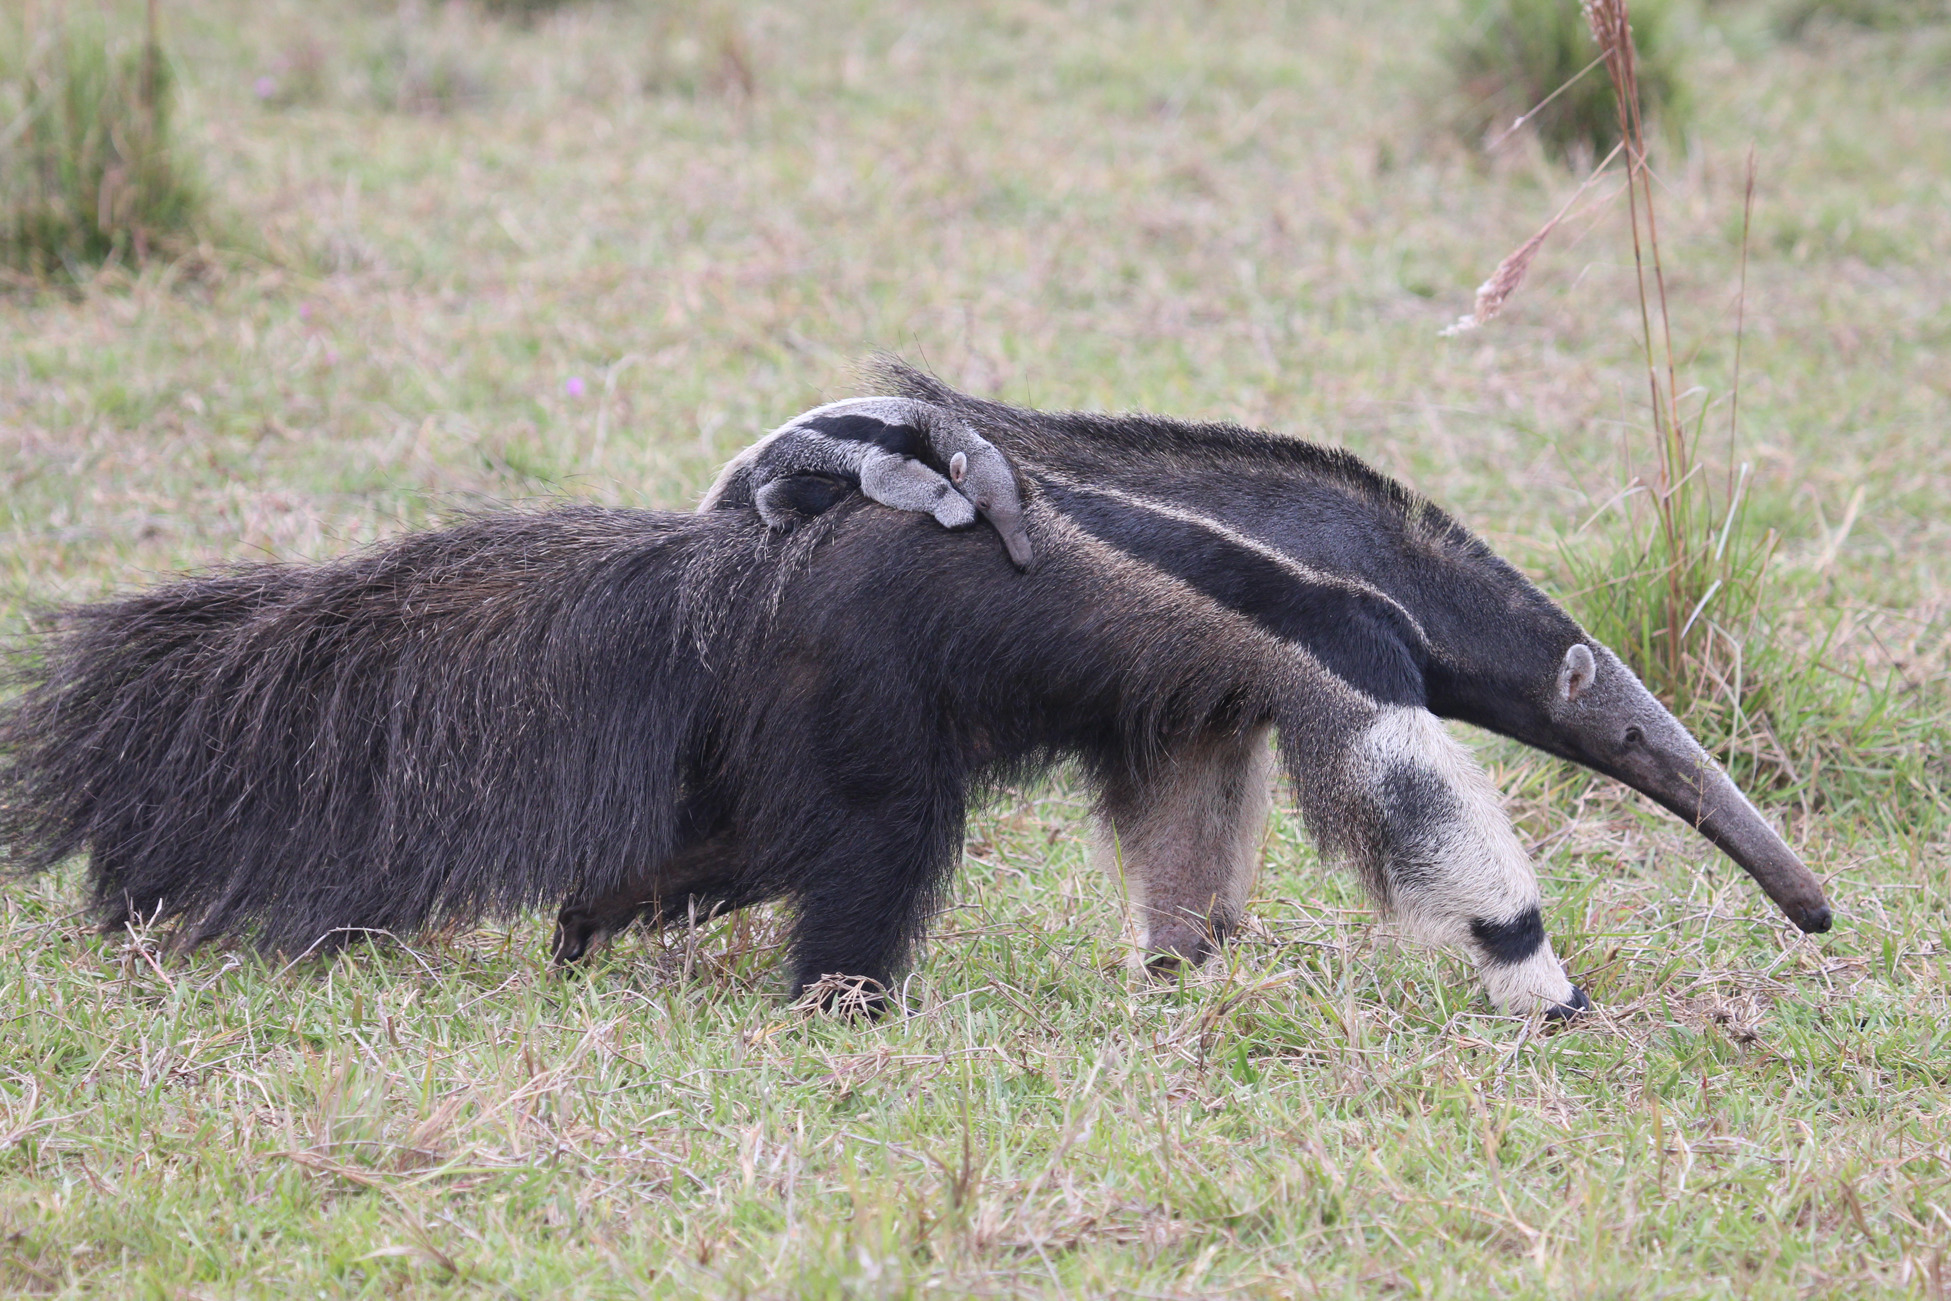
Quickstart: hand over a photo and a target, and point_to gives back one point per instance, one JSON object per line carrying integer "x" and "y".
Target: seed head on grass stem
{"x": 1685, "y": 590}
{"x": 1493, "y": 293}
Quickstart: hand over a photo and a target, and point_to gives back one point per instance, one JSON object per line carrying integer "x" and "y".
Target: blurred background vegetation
{"x": 86, "y": 171}
{"x": 1535, "y": 61}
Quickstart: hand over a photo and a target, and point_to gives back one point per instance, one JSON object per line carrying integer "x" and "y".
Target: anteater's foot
{"x": 1570, "y": 1008}
{"x": 1166, "y": 964}
{"x": 576, "y": 933}
{"x": 1179, "y": 945}
{"x": 861, "y": 997}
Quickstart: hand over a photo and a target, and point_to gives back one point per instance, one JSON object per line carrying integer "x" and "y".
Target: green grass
{"x": 1795, "y": 17}
{"x": 1237, "y": 212}
{"x": 87, "y": 167}
{"x": 1527, "y": 59}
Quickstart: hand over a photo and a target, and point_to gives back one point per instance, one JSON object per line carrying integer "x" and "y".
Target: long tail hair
{"x": 474, "y": 720}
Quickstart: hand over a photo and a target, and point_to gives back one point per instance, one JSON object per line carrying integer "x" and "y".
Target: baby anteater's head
{"x": 985, "y": 476}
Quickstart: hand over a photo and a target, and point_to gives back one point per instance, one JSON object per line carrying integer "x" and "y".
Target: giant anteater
{"x": 638, "y": 712}
{"x": 1255, "y": 522}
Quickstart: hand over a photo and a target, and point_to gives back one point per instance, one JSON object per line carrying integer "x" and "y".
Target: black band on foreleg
{"x": 1511, "y": 942}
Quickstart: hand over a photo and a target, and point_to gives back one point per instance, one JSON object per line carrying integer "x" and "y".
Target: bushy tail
{"x": 463, "y": 722}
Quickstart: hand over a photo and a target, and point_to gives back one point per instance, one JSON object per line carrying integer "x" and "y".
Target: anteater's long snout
{"x": 1674, "y": 770}
{"x": 1725, "y": 817}
{"x": 1614, "y": 724}
{"x": 1016, "y": 537}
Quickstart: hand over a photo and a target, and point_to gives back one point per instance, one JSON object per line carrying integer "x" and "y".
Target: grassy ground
{"x": 596, "y": 256}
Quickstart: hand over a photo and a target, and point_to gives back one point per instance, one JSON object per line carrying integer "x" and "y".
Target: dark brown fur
{"x": 609, "y": 710}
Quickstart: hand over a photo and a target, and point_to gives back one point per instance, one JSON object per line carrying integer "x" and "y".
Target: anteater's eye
{"x": 1634, "y": 736}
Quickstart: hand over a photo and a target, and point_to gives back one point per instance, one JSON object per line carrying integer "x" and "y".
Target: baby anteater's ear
{"x": 958, "y": 467}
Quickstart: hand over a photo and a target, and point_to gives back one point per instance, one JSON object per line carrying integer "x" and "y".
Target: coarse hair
{"x": 531, "y": 708}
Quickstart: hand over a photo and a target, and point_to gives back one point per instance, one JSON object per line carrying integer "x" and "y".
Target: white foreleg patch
{"x": 1450, "y": 864}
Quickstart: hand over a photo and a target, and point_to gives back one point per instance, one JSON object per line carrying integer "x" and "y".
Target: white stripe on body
{"x": 1218, "y": 529}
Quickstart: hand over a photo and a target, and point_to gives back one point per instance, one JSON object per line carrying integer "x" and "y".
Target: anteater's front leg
{"x": 1426, "y": 826}
{"x": 1184, "y": 837}
{"x": 865, "y": 889}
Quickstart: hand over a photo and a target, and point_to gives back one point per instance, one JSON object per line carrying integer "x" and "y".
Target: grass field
{"x": 453, "y": 259}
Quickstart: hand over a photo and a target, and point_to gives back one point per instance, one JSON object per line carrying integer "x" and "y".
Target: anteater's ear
{"x": 958, "y": 467}
{"x": 1575, "y": 675}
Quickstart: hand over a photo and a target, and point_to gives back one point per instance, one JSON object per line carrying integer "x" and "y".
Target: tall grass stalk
{"x": 1686, "y": 593}
{"x": 1676, "y": 505}
{"x": 1536, "y": 59}
{"x": 1685, "y": 589}
{"x": 1682, "y": 595}
{"x": 86, "y": 169}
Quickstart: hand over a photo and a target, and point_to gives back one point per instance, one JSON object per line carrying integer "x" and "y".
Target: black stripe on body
{"x": 1357, "y": 635}
{"x": 1509, "y": 943}
{"x": 901, "y": 440}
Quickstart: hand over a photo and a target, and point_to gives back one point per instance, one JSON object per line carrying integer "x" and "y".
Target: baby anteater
{"x": 889, "y": 449}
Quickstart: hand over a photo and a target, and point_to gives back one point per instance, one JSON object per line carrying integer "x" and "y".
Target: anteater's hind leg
{"x": 118, "y": 908}
{"x": 1184, "y": 839}
{"x": 116, "y": 912}
{"x": 698, "y": 880}
{"x": 1424, "y": 823}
